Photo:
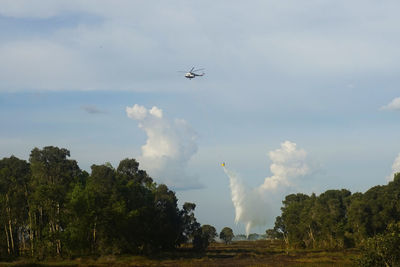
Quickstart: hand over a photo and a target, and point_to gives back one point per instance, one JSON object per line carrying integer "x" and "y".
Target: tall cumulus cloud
{"x": 169, "y": 147}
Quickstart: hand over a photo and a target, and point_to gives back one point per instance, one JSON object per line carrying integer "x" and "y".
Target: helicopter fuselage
{"x": 190, "y": 75}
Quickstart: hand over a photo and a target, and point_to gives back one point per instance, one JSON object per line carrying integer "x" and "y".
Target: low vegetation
{"x": 239, "y": 253}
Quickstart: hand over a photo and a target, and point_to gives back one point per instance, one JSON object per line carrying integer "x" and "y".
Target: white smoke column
{"x": 395, "y": 168}
{"x": 169, "y": 147}
{"x": 250, "y": 209}
{"x": 258, "y": 206}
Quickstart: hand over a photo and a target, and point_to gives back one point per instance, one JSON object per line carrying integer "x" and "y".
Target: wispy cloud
{"x": 135, "y": 47}
{"x": 92, "y": 109}
{"x": 393, "y": 105}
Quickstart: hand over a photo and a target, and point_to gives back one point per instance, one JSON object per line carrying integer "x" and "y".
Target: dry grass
{"x": 241, "y": 253}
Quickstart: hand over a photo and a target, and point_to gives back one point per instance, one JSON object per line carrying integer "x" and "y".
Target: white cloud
{"x": 393, "y": 105}
{"x": 156, "y": 112}
{"x": 168, "y": 149}
{"x": 136, "y": 112}
{"x": 288, "y": 163}
{"x": 395, "y": 168}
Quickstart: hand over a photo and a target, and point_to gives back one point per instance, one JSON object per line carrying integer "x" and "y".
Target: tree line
{"x": 338, "y": 219}
{"x": 49, "y": 207}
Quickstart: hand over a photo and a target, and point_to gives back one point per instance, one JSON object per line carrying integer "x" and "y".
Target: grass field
{"x": 241, "y": 253}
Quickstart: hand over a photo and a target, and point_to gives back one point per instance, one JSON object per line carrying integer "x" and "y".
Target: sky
{"x": 101, "y": 79}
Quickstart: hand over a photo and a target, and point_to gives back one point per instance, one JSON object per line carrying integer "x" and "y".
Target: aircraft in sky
{"x": 192, "y": 73}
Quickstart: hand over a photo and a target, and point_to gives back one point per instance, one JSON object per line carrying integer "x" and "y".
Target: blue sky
{"x": 316, "y": 73}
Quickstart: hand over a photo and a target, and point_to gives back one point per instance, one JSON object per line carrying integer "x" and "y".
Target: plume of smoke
{"x": 395, "y": 168}
{"x": 169, "y": 147}
{"x": 260, "y": 205}
{"x": 250, "y": 209}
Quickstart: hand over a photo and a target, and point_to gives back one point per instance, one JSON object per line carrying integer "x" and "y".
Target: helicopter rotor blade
{"x": 191, "y": 70}
{"x": 198, "y": 70}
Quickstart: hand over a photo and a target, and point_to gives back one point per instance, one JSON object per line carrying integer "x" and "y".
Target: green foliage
{"x": 382, "y": 249}
{"x": 272, "y": 234}
{"x": 49, "y": 207}
{"x": 226, "y": 235}
{"x": 14, "y": 190}
{"x": 204, "y": 236}
{"x": 189, "y": 224}
{"x": 336, "y": 219}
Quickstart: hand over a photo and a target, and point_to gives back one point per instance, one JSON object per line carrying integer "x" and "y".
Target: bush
{"x": 382, "y": 249}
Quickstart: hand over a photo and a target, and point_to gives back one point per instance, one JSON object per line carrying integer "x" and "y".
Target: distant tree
{"x": 209, "y": 232}
{"x": 239, "y": 237}
{"x": 189, "y": 224}
{"x": 253, "y": 237}
{"x": 226, "y": 235}
{"x": 272, "y": 234}
{"x": 204, "y": 237}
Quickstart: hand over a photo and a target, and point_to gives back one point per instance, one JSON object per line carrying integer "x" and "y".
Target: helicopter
{"x": 192, "y": 73}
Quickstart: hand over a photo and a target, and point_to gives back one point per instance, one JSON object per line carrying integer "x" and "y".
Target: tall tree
{"x": 189, "y": 224}
{"x": 100, "y": 190}
{"x": 53, "y": 176}
{"x": 14, "y": 190}
{"x": 129, "y": 170}
{"x": 166, "y": 222}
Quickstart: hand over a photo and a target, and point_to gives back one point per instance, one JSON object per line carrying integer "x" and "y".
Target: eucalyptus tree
{"x": 294, "y": 231}
{"x": 100, "y": 190}
{"x": 14, "y": 190}
{"x": 189, "y": 224}
{"x": 165, "y": 224}
{"x": 330, "y": 214}
{"x": 128, "y": 169}
{"x": 53, "y": 177}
